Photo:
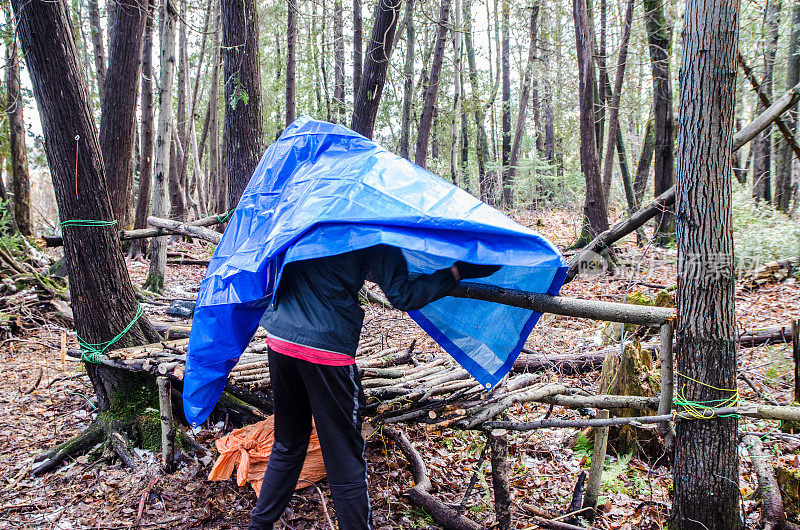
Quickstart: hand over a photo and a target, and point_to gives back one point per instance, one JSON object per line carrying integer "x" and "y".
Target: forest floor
{"x": 545, "y": 464}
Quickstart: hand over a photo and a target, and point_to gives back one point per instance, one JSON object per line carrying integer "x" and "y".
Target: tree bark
{"x": 762, "y": 146}
{"x": 291, "y": 40}
{"x": 244, "y": 130}
{"x": 358, "y": 38}
{"x": 408, "y": 81}
{"x": 146, "y": 134}
{"x": 613, "y": 117}
{"x": 706, "y": 471}
{"x": 103, "y": 298}
{"x": 645, "y": 159}
{"x": 118, "y": 121}
{"x": 365, "y": 107}
{"x": 98, "y": 49}
{"x": 338, "y": 62}
{"x": 594, "y": 209}
{"x": 217, "y": 179}
{"x": 485, "y": 182}
{"x": 432, "y": 89}
{"x": 163, "y": 146}
{"x": 458, "y": 52}
{"x": 659, "y": 37}
{"x": 523, "y": 99}
{"x": 20, "y": 179}
{"x": 508, "y": 191}
{"x": 783, "y": 180}
{"x": 177, "y": 181}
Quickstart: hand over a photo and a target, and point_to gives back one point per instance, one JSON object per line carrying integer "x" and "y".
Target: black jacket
{"x": 316, "y": 304}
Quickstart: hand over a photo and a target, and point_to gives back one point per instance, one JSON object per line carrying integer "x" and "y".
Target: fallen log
{"x": 772, "y": 514}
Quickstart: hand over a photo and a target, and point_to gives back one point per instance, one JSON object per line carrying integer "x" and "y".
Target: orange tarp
{"x": 251, "y": 446}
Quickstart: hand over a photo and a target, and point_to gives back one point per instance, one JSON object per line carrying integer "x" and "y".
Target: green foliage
{"x": 585, "y": 446}
{"x": 760, "y": 233}
{"x": 238, "y": 94}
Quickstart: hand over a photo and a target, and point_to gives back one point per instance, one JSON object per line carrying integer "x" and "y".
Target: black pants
{"x": 334, "y": 397}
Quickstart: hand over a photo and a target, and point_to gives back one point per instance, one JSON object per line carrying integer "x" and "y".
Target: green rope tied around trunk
{"x": 86, "y": 222}
{"x": 704, "y": 409}
{"x": 91, "y": 352}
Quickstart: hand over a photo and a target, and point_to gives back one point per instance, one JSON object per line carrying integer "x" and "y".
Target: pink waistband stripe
{"x": 306, "y": 353}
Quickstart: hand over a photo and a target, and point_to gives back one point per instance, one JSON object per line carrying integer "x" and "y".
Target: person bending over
{"x": 313, "y": 331}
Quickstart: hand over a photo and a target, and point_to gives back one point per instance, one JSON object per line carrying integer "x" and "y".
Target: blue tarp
{"x": 321, "y": 190}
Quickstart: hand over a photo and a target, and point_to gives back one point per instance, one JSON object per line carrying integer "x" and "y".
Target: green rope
{"x": 86, "y": 222}
{"x": 697, "y": 408}
{"x": 222, "y": 217}
{"x": 91, "y": 352}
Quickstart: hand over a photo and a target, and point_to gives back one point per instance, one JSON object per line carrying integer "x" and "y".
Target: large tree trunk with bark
{"x": 118, "y": 121}
{"x": 706, "y": 467}
{"x": 160, "y": 206}
{"x": 146, "y": 135}
{"x": 645, "y": 159}
{"x": 659, "y": 37}
{"x": 762, "y": 146}
{"x": 458, "y": 77}
{"x": 595, "y": 214}
{"x": 177, "y": 174}
{"x": 20, "y": 179}
{"x": 432, "y": 89}
{"x": 408, "y": 81}
{"x": 783, "y": 179}
{"x": 103, "y": 298}
{"x": 244, "y": 130}
{"x": 217, "y": 179}
{"x": 365, "y": 108}
{"x": 508, "y": 190}
{"x": 291, "y": 55}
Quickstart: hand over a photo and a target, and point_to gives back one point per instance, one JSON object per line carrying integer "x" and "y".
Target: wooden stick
{"x": 562, "y": 305}
{"x": 796, "y": 357}
{"x": 496, "y": 438}
{"x": 598, "y": 459}
{"x": 772, "y": 514}
{"x": 185, "y": 229}
{"x": 666, "y": 430}
{"x": 167, "y": 424}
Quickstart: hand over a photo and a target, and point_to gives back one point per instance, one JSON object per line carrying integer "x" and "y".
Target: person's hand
{"x": 473, "y": 270}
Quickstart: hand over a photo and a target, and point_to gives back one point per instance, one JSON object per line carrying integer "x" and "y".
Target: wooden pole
{"x": 666, "y": 430}
{"x": 502, "y": 495}
{"x": 796, "y": 357}
{"x": 167, "y": 424}
{"x": 598, "y": 459}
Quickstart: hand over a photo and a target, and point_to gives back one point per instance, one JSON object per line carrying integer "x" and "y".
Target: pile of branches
{"x": 28, "y": 292}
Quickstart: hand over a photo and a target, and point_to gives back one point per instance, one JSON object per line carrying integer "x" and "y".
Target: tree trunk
{"x": 160, "y": 207}
{"x": 706, "y": 471}
{"x": 432, "y": 89}
{"x": 338, "y": 62}
{"x": 762, "y": 154}
{"x": 594, "y": 209}
{"x": 365, "y": 107}
{"x": 291, "y": 40}
{"x": 244, "y": 131}
{"x": 408, "y": 81}
{"x": 118, "y": 121}
{"x": 485, "y": 183}
{"x": 613, "y": 118}
{"x": 508, "y": 179}
{"x": 146, "y": 134}
{"x": 549, "y": 128}
{"x": 523, "y": 99}
{"x": 177, "y": 197}
{"x": 645, "y": 159}
{"x": 217, "y": 179}
{"x": 98, "y": 48}
{"x": 783, "y": 178}
{"x": 458, "y": 52}
{"x": 659, "y": 37}
{"x": 358, "y": 39}
{"x": 103, "y": 299}
{"x": 20, "y": 179}
{"x": 603, "y": 84}
{"x": 177, "y": 180}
